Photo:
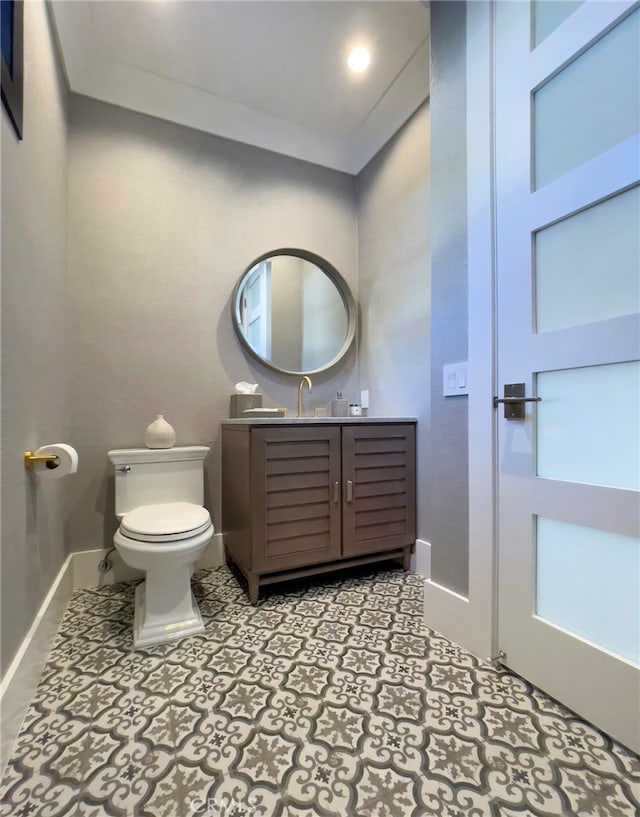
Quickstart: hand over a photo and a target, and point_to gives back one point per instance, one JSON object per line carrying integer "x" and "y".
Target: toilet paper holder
{"x": 30, "y": 458}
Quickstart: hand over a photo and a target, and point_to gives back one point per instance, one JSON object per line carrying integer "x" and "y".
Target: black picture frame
{"x": 11, "y": 81}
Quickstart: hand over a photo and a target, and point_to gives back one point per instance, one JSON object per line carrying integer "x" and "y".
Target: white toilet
{"x": 164, "y": 528}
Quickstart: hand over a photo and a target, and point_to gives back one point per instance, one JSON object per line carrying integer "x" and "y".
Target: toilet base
{"x": 179, "y": 620}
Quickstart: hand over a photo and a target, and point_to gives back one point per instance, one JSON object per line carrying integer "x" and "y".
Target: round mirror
{"x": 294, "y": 312}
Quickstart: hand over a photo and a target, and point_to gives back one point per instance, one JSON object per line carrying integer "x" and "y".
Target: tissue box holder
{"x": 241, "y": 402}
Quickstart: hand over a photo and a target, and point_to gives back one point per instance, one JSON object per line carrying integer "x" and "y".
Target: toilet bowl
{"x": 163, "y": 536}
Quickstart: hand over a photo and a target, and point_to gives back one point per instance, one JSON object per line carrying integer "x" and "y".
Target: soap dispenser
{"x": 339, "y": 407}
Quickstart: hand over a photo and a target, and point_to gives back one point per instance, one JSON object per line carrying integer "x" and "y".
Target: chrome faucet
{"x": 304, "y": 380}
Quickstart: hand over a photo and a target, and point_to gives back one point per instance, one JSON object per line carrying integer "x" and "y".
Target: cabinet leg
{"x": 254, "y": 589}
{"x": 406, "y": 557}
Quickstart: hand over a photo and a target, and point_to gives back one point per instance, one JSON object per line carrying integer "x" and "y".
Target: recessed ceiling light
{"x": 359, "y": 60}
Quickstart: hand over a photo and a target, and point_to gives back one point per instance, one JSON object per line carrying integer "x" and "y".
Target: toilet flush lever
{"x": 124, "y": 469}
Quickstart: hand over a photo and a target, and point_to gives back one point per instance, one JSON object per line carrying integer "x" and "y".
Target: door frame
{"x": 471, "y": 620}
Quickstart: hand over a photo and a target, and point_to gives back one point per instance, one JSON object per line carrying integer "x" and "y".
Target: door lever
{"x": 514, "y": 401}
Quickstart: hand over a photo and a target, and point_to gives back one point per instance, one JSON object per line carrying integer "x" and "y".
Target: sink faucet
{"x": 304, "y": 380}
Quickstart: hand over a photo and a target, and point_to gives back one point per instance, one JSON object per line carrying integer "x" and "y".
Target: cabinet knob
{"x": 349, "y": 490}
{"x": 336, "y": 492}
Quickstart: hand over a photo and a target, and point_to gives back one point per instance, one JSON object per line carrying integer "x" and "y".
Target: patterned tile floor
{"x": 326, "y": 699}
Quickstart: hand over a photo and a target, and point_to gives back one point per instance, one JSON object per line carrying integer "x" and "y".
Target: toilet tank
{"x": 153, "y": 476}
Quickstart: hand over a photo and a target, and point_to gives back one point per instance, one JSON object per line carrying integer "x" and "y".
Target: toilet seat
{"x": 169, "y": 522}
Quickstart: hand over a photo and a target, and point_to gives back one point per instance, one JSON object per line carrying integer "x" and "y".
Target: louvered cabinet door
{"x": 378, "y": 473}
{"x": 295, "y": 475}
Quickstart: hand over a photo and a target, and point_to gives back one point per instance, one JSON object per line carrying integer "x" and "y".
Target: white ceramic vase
{"x": 160, "y": 434}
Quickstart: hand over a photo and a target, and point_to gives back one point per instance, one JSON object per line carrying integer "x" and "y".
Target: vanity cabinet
{"x": 307, "y": 498}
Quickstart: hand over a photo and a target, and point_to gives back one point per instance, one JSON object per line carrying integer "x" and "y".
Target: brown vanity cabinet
{"x": 302, "y": 499}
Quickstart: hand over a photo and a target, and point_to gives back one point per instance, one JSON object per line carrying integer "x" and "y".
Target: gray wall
{"x": 446, "y": 477}
{"x": 412, "y": 273}
{"x": 393, "y": 277}
{"x": 162, "y": 222}
{"x": 34, "y": 332}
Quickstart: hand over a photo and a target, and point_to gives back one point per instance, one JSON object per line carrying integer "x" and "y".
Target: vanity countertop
{"x": 294, "y": 421}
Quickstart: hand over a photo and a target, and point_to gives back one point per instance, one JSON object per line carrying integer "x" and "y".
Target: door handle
{"x": 514, "y": 401}
{"x": 349, "y": 490}
{"x": 336, "y": 492}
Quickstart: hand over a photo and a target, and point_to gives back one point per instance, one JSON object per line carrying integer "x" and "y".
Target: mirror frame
{"x": 336, "y": 279}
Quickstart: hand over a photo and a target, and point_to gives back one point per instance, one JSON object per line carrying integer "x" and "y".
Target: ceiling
{"x": 271, "y": 73}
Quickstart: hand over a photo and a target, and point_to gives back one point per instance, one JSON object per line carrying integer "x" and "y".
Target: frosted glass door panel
{"x": 587, "y": 266}
{"x": 548, "y": 14}
{"x": 589, "y": 425}
{"x": 587, "y": 582}
{"x": 590, "y": 106}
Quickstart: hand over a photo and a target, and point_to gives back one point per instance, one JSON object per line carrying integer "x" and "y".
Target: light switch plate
{"x": 454, "y": 379}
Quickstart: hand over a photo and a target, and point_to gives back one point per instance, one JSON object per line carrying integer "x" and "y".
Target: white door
{"x": 567, "y": 169}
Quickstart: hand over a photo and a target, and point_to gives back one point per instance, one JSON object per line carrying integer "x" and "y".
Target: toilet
{"x": 164, "y": 529}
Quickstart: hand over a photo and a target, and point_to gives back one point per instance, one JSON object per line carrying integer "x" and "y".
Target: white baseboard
{"x": 214, "y": 554}
{"x": 421, "y": 559}
{"x": 20, "y": 682}
{"x": 79, "y": 570}
{"x": 452, "y": 615}
{"x": 87, "y": 574}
